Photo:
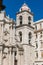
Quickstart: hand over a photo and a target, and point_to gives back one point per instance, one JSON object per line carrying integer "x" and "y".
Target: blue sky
{"x": 13, "y": 6}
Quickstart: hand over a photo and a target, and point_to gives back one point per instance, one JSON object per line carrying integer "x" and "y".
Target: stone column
{"x": 1, "y": 55}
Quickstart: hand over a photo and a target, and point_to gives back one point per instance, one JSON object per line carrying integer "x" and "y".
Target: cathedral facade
{"x": 18, "y": 44}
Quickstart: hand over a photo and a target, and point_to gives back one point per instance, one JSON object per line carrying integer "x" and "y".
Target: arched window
{"x": 20, "y": 20}
{"x": 30, "y": 36}
{"x": 20, "y": 34}
{"x": 29, "y": 20}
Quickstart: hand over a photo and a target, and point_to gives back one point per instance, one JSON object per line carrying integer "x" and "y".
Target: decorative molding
{"x": 24, "y": 11}
{"x": 24, "y": 25}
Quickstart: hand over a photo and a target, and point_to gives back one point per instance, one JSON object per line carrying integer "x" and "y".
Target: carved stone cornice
{"x": 24, "y": 25}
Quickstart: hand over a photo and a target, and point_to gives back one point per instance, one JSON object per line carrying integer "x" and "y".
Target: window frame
{"x": 20, "y": 34}
{"x": 20, "y": 18}
{"x": 30, "y": 35}
{"x": 29, "y": 20}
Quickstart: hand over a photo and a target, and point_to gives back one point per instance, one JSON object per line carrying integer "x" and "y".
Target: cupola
{"x": 25, "y": 8}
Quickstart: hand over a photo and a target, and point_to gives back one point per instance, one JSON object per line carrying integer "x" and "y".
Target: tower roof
{"x": 25, "y": 7}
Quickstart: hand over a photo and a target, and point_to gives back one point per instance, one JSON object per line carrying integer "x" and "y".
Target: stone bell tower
{"x": 25, "y": 34}
{"x": 24, "y": 24}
